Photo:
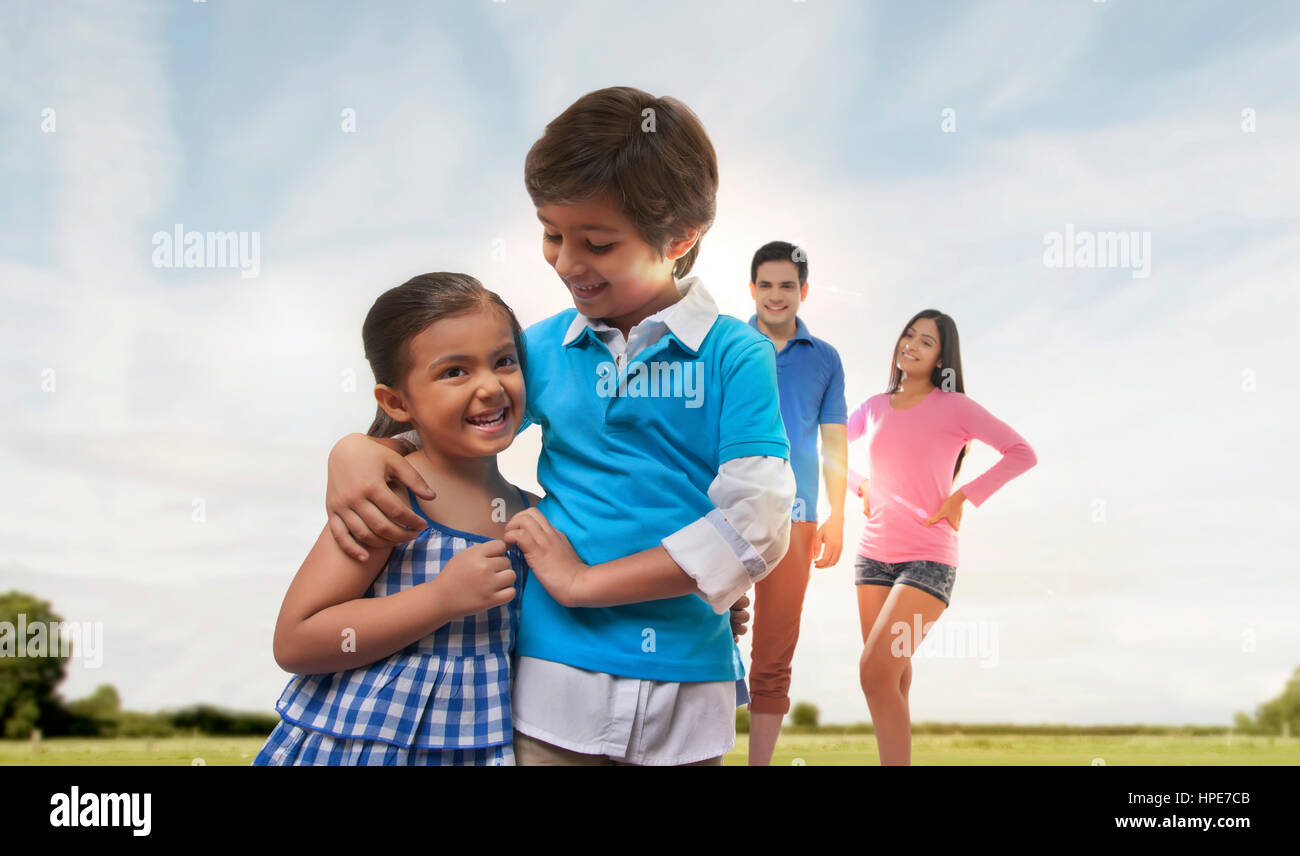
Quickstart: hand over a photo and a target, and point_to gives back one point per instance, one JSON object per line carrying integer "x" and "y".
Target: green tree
{"x": 27, "y": 682}
{"x": 805, "y": 715}
{"x": 1285, "y": 709}
{"x": 103, "y": 703}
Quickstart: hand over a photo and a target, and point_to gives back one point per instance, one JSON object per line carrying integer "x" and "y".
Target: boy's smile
{"x": 610, "y": 271}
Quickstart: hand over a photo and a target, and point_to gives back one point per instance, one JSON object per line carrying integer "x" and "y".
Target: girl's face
{"x": 917, "y": 353}
{"x": 464, "y": 391}
{"x": 608, "y": 268}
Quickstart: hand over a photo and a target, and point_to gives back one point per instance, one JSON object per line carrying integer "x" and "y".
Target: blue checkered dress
{"x": 443, "y": 700}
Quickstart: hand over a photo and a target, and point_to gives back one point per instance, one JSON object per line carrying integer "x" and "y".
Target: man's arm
{"x": 835, "y": 465}
{"x": 835, "y": 462}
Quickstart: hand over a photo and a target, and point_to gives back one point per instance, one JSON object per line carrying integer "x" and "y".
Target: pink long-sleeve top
{"x": 911, "y": 455}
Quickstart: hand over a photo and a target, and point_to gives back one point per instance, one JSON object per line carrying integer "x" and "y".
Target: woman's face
{"x": 464, "y": 391}
{"x": 917, "y": 353}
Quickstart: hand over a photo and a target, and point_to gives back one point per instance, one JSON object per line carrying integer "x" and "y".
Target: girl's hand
{"x": 866, "y": 503}
{"x": 951, "y": 509}
{"x": 476, "y": 579}
{"x": 739, "y": 617}
{"x": 549, "y": 555}
{"x": 362, "y": 507}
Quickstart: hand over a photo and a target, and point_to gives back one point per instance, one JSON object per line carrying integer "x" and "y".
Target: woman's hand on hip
{"x": 950, "y": 510}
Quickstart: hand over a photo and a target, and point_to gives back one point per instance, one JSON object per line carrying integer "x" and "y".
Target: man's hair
{"x": 651, "y": 155}
{"x": 780, "y": 251}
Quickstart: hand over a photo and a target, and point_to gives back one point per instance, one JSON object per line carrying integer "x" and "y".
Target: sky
{"x": 167, "y": 427}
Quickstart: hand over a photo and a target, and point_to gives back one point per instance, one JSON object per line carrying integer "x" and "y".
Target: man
{"x": 810, "y": 382}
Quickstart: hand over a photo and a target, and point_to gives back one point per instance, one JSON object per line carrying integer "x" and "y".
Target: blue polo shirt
{"x": 810, "y": 378}
{"x": 627, "y": 458}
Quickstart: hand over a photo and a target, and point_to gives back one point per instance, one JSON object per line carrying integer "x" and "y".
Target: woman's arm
{"x": 1017, "y": 456}
{"x": 856, "y": 427}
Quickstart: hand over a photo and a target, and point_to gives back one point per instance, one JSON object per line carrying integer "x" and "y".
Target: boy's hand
{"x": 951, "y": 509}
{"x": 361, "y": 505}
{"x": 829, "y": 540}
{"x": 549, "y": 555}
{"x": 739, "y": 617}
{"x": 476, "y": 579}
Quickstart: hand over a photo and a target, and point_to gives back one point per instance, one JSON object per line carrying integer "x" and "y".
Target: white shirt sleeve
{"x": 412, "y": 437}
{"x": 745, "y": 536}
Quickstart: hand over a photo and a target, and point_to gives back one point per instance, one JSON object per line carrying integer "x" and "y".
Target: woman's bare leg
{"x": 885, "y": 666}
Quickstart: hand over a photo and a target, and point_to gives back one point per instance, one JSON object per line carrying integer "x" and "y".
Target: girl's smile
{"x": 491, "y": 422}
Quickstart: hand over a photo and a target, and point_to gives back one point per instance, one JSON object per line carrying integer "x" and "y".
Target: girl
{"x": 404, "y": 658}
{"x": 907, "y": 559}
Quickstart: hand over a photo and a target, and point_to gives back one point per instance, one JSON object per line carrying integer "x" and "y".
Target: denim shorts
{"x": 933, "y": 577}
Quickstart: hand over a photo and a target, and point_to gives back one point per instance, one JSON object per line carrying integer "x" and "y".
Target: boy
{"x": 664, "y": 459}
{"x": 811, "y": 382}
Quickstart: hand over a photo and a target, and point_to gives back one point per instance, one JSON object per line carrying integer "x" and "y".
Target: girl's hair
{"x": 650, "y": 154}
{"x": 403, "y": 312}
{"x": 947, "y": 371}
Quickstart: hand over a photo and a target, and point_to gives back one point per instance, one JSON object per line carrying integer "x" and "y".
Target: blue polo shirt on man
{"x": 628, "y": 455}
{"x": 811, "y": 382}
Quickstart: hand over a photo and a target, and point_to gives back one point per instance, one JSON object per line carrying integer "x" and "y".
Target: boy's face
{"x": 609, "y": 269}
{"x": 464, "y": 391}
{"x": 777, "y": 293}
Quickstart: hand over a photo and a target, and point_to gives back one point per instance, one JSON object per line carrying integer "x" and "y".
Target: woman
{"x": 917, "y": 434}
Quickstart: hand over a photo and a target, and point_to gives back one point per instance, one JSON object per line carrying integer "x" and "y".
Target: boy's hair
{"x": 401, "y": 313}
{"x": 650, "y": 154}
{"x": 780, "y": 251}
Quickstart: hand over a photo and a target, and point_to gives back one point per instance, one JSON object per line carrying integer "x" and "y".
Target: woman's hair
{"x": 947, "y": 371}
{"x": 651, "y": 155}
{"x": 403, "y": 312}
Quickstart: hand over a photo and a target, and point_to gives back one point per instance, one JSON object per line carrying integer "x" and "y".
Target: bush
{"x": 804, "y": 715}
{"x": 742, "y": 720}
{"x": 206, "y": 719}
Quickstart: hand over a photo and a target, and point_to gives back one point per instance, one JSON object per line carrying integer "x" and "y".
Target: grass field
{"x": 812, "y": 750}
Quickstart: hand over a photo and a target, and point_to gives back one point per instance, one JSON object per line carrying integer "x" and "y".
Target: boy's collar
{"x": 800, "y": 328}
{"x": 689, "y": 319}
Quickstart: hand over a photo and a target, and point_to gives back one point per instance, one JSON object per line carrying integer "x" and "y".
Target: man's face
{"x": 776, "y": 292}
